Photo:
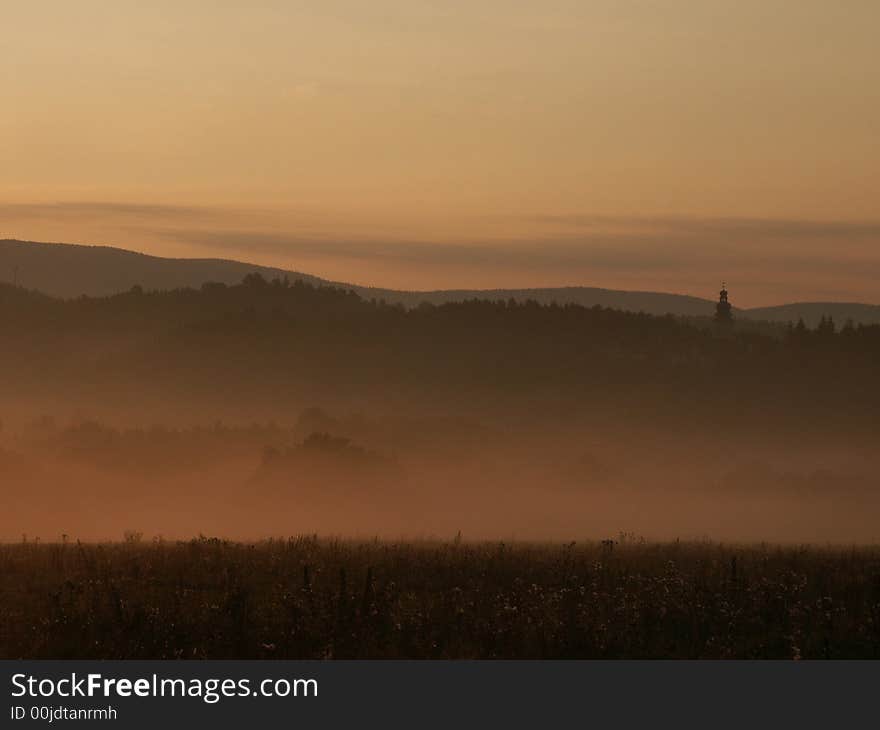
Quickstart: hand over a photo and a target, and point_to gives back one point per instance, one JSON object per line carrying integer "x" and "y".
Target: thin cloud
{"x": 128, "y": 210}
{"x": 598, "y": 251}
{"x": 720, "y": 227}
{"x": 833, "y": 257}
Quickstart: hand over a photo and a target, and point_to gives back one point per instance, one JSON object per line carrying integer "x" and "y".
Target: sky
{"x": 632, "y": 144}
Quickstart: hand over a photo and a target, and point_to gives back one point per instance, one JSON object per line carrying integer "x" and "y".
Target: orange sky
{"x": 620, "y": 143}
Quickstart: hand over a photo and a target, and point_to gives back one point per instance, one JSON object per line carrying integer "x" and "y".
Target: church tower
{"x": 723, "y": 314}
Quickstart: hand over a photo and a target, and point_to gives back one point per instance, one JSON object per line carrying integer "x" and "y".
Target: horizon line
{"x": 452, "y": 290}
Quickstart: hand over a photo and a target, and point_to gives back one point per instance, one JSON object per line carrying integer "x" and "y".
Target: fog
{"x": 280, "y": 408}
{"x": 422, "y": 471}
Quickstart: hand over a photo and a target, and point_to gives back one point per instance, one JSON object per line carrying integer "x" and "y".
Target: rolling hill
{"x": 812, "y": 312}
{"x": 68, "y": 270}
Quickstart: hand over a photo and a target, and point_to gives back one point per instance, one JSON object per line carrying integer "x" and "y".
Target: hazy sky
{"x": 623, "y": 143}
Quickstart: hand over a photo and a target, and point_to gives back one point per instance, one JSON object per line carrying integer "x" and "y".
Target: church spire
{"x": 723, "y": 313}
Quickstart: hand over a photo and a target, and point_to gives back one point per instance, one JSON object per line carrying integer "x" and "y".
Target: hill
{"x": 276, "y": 339}
{"x": 812, "y": 312}
{"x": 70, "y": 270}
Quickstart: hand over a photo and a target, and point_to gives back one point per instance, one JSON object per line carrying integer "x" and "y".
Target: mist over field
{"x": 281, "y": 408}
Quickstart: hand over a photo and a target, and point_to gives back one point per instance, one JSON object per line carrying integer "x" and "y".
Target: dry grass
{"x": 310, "y": 598}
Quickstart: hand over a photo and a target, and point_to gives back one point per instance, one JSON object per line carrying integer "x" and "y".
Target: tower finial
{"x": 723, "y": 310}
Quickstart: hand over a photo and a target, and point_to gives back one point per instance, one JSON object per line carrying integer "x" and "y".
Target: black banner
{"x": 145, "y": 694}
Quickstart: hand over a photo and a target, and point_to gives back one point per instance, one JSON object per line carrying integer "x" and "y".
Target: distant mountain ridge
{"x": 70, "y": 270}
{"x": 812, "y": 312}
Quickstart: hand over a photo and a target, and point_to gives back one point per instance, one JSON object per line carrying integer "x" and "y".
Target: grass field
{"x": 314, "y": 598}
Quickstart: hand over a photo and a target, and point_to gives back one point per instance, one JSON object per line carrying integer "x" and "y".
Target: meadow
{"x": 307, "y": 597}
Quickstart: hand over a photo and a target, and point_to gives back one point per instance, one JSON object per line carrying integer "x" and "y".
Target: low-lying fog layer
{"x": 186, "y": 411}
{"x": 430, "y": 473}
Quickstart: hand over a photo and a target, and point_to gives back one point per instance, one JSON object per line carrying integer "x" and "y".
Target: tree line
{"x": 281, "y": 332}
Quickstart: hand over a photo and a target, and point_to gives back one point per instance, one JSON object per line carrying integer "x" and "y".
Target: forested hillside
{"x": 283, "y": 336}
